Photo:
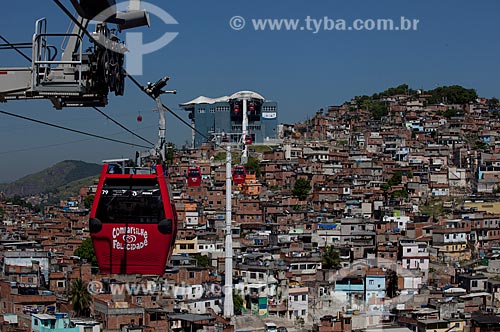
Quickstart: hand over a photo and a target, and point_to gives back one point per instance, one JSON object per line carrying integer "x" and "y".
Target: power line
{"x": 121, "y": 126}
{"x": 14, "y": 47}
{"x": 85, "y": 31}
{"x": 73, "y": 130}
{"x": 136, "y": 83}
{"x": 57, "y": 144}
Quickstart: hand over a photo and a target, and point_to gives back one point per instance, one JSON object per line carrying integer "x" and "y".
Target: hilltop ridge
{"x": 53, "y": 179}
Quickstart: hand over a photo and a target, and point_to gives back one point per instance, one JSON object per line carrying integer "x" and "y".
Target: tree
{"x": 301, "y": 188}
{"x": 392, "y": 283}
{"x": 87, "y": 202}
{"x": 80, "y": 298}
{"x": 238, "y": 301}
{"x": 202, "y": 260}
{"x": 493, "y": 103}
{"x": 454, "y": 94}
{"x": 253, "y": 165}
{"x": 331, "y": 258}
{"x": 170, "y": 151}
{"x": 395, "y": 180}
{"x": 86, "y": 251}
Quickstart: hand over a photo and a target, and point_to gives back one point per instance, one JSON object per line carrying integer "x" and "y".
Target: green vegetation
{"x": 377, "y": 108}
{"x": 392, "y": 283}
{"x": 87, "y": 202}
{"x": 433, "y": 207}
{"x": 301, "y": 188}
{"x": 253, "y": 166}
{"x": 202, "y": 260}
{"x": 454, "y": 94}
{"x": 238, "y": 300}
{"x": 480, "y": 145}
{"x": 61, "y": 179}
{"x": 80, "y": 298}
{"x": 395, "y": 180}
{"x": 261, "y": 148}
{"x": 221, "y": 157}
{"x": 493, "y": 103}
{"x": 402, "y": 89}
{"x": 86, "y": 251}
{"x": 274, "y": 187}
{"x": 170, "y": 150}
{"x": 342, "y": 142}
{"x": 399, "y": 194}
{"x": 331, "y": 258}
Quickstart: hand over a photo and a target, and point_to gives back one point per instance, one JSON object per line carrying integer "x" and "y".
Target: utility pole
{"x": 228, "y": 286}
{"x": 244, "y": 126}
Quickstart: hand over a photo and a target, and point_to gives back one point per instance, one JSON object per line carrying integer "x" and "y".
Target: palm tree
{"x": 331, "y": 258}
{"x": 80, "y": 298}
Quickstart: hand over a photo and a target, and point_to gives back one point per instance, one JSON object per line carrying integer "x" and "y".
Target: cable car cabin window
{"x": 135, "y": 201}
{"x": 194, "y": 173}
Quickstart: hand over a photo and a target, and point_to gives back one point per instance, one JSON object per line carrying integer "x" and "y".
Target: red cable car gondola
{"x": 239, "y": 174}
{"x": 248, "y": 139}
{"x": 194, "y": 177}
{"x": 133, "y": 222}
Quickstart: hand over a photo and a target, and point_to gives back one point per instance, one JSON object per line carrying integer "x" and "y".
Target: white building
{"x": 414, "y": 255}
{"x": 298, "y": 299}
{"x": 401, "y": 221}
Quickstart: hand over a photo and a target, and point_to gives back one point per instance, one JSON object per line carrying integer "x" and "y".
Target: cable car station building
{"x": 225, "y": 115}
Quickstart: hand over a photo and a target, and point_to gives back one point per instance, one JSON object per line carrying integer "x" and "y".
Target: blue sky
{"x": 456, "y": 43}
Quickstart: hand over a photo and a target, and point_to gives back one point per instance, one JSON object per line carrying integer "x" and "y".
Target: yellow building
{"x": 186, "y": 246}
{"x": 251, "y": 185}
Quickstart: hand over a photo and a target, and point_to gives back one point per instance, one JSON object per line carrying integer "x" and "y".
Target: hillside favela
{"x": 378, "y": 214}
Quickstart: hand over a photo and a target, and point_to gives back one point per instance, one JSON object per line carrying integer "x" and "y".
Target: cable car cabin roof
{"x": 114, "y": 169}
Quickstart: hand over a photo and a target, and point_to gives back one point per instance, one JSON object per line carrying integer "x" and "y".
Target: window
{"x": 303, "y": 312}
{"x": 191, "y": 274}
{"x": 370, "y": 282}
{"x": 304, "y": 298}
{"x": 408, "y": 249}
{"x": 474, "y": 283}
{"x": 60, "y": 284}
{"x": 201, "y": 110}
{"x": 139, "y": 299}
{"x": 296, "y": 298}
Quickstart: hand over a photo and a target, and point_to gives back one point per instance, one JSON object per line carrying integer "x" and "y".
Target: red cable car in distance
{"x": 194, "y": 177}
{"x": 133, "y": 222}
{"x": 248, "y": 139}
{"x": 239, "y": 174}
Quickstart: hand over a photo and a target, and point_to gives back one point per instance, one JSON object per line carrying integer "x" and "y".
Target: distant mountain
{"x": 61, "y": 178}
